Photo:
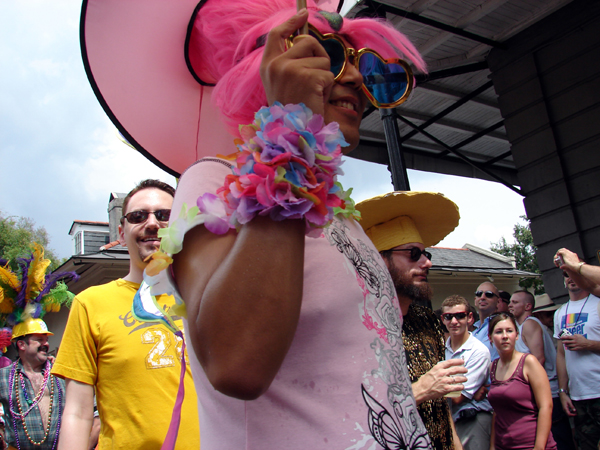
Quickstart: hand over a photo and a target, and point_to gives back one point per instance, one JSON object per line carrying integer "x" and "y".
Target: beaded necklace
{"x": 14, "y": 387}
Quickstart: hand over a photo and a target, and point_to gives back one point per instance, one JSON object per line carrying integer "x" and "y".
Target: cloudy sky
{"x": 60, "y": 156}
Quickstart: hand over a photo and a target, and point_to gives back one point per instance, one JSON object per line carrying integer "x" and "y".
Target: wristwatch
{"x": 563, "y": 390}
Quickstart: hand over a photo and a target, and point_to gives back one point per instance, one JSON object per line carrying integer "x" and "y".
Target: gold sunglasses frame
{"x": 355, "y": 55}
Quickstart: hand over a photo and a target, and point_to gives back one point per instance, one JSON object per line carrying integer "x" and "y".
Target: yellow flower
{"x": 159, "y": 262}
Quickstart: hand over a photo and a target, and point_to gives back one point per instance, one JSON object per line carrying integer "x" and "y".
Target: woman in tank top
{"x": 519, "y": 393}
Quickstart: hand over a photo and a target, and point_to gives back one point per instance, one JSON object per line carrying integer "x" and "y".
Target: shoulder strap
{"x": 493, "y": 370}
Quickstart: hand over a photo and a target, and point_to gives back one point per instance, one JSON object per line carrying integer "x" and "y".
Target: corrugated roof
{"x": 495, "y": 20}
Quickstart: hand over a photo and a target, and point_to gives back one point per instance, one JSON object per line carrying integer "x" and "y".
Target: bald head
{"x": 486, "y": 299}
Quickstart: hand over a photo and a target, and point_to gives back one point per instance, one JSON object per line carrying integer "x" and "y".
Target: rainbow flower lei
{"x": 286, "y": 168}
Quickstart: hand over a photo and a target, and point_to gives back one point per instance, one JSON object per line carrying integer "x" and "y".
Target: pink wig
{"x": 223, "y": 48}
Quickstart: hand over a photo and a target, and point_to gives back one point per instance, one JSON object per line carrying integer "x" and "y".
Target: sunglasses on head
{"x": 449, "y": 316}
{"x": 415, "y": 253}
{"x": 387, "y": 83}
{"x": 488, "y": 294}
{"x": 135, "y": 217}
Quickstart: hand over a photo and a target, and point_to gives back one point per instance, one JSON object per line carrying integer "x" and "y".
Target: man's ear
{"x": 122, "y": 236}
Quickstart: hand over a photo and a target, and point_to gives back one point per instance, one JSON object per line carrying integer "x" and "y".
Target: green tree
{"x": 17, "y": 234}
{"x": 523, "y": 251}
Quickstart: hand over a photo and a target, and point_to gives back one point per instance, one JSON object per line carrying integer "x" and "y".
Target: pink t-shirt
{"x": 344, "y": 382}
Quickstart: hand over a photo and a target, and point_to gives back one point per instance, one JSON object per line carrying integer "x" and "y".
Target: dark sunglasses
{"x": 415, "y": 253}
{"x": 565, "y": 274}
{"x": 135, "y": 217}
{"x": 450, "y": 316}
{"x": 386, "y": 82}
{"x": 488, "y": 294}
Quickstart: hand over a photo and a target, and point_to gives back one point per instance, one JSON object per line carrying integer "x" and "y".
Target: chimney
{"x": 115, "y": 211}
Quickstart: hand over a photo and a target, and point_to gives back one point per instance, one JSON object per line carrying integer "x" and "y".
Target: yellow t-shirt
{"x": 135, "y": 367}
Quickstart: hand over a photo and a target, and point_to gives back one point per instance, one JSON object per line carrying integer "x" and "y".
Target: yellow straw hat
{"x": 399, "y": 218}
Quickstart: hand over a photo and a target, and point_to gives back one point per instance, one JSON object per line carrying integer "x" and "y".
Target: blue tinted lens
{"x": 386, "y": 82}
{"x": 336, "y": 52}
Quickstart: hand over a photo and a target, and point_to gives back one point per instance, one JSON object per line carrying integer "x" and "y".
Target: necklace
{"x": 580, "y": 311}
{"x": 14, "y": 387}
{"x": 33, "y": 403}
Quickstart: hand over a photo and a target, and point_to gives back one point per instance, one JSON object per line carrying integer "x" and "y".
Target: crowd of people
{"x": 304, "y": 327}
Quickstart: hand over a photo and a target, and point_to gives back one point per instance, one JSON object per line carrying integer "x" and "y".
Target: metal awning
{"x": 452, "y": 123}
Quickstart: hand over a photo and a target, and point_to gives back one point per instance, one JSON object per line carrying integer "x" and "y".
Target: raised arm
{"x": 77, "y": 417}
{"x": 243, "y": 291}
{"x": 535, "y": 374}
{"x": 586, "y": 276}
{"x": 243, "y": 295}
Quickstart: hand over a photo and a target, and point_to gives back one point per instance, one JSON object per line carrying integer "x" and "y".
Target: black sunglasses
{"x": 565, "y": 274}
{"x": 415, "y": 253}
{"x": 488, "y": 294}
{"x": 450, "y": 316}
{"x": 135, "y": 217}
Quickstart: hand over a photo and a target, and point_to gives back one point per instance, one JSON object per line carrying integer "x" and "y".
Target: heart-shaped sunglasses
{"x": 387, "y": 83}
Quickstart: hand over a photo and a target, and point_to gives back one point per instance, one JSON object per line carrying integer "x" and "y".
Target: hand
{"x": 443, "y": 378}
{"x": 570, "y": 260}
{"x": 575, "y": 342}
{"x": 567, "y": 405}
{"x": 481, "y": 392}
{"x": 300, "y": 74}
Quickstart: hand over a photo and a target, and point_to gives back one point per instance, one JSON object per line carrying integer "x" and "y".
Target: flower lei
{"x": 286, "y": 168}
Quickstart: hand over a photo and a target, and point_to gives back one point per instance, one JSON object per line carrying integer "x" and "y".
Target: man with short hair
{"x": 472, "y": 417}
{"x": 577, "y": 325}
{"x": 486, "y": 302}
{"x": 400, "y": 228}
{"x": 531, "y": 334}
{"x": 32, "y": 399}
{"x": 134, "y": 366}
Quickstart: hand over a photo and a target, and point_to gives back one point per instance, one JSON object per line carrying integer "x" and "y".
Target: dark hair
{"x": 505, "y": 295}
{"x": 386, "y": 254}
{"x": 499, "y": 317}
{"x": 456, "y": 300}
{"x": 146, "y": 184}
{"x": 531, "y": 297}
{"x": 16, "y": 340}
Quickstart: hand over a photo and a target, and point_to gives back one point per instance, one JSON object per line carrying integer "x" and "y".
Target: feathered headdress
{"x": 31, "y": 293}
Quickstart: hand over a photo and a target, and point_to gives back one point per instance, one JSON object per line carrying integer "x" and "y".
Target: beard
{"x": 405, "y": 286}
